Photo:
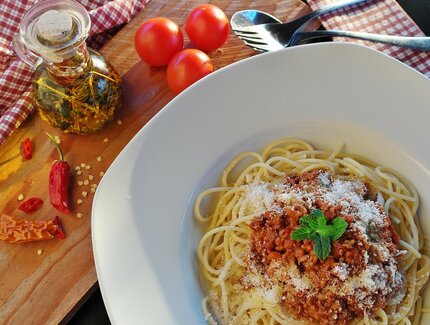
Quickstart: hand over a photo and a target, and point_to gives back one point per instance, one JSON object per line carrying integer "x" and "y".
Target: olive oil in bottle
{"x": 74, "y": 88}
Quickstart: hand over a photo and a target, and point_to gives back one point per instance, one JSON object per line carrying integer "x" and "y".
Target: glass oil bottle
{"x": 74, "y": 88}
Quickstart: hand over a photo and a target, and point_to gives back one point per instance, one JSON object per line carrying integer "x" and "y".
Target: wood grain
{"x": 47, "y": 288}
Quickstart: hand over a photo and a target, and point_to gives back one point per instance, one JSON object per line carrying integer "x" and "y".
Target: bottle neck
{"x": 73, "y": 69}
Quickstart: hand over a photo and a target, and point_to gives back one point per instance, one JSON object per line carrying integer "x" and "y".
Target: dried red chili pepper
{"x": 31, "y": 205}
{"x": 59, "y": 180}
{"x": 19, "y": 231}
{"x": 60, "y": 233}
{"x": 27, "y": 149}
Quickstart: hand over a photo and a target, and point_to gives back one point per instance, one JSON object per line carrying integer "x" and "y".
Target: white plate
{"x": 144, "y": 236}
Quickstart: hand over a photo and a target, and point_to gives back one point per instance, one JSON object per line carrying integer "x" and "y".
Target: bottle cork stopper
{"x": 54, "y": 25}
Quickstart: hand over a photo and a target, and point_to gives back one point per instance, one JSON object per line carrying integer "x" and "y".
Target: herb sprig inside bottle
{"x": 314, "y": 227}
{"x": 74, "y": 87}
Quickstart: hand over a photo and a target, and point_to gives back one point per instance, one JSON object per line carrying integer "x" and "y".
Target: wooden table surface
{"x": 48, "y": 288}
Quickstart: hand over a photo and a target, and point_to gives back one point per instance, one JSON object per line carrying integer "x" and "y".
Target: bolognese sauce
{"x": 361, "y": 273}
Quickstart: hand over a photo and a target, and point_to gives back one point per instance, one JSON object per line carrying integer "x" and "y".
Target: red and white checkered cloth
{"x": 380, "y": 17}
{"x": 15, "y": 76}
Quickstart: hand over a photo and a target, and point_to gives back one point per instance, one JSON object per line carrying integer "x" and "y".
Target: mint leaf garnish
{"x": 322, "y": 247}
{"x": 325, "y": 230}
{"x": 314, "y": 227}
{"x": 340, "y": 226}
{"x": 312, "y": 219}
{"x": 301, "y": 233}
{"x": 321, "y": 221}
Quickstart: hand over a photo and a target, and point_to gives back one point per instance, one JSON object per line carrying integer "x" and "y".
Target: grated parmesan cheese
{"x": 341, "y": 270}
{"x": 260, "y": 196}
{"x": 300, "y": 282}
{"x": 323, "y": 179}
{"x": 264, "y": 287}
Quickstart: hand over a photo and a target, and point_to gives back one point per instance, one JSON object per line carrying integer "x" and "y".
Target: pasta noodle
{"x": 225, "y": 245}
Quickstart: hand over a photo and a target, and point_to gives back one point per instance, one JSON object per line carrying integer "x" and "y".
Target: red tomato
{"x": 207, "y": 27}
{"x": 186, "y": 67}
{"x": 157, "y": 40}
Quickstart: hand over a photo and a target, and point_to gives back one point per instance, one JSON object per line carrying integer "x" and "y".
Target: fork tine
{"x": 252, "y": 41}
{"x": 247, "y": 29}
{"x": 258, "y": 37}
{"x": 250, "y": 37}
{"x": 257, "y": 46}
{"x": 244, "y": 31}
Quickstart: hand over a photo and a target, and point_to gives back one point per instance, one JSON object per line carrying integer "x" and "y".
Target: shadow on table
{"x": 93, "y": 312}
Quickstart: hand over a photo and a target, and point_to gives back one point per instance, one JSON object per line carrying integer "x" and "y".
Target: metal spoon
{"x": 255, "y": 17}
{"x": 247, "y": 18}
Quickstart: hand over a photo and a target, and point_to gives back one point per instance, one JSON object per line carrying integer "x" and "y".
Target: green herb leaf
{"x": 313, "y": 236}
{"x": 321, "y": 221}
{"x": 307, "y": 221}
{"x": 314, "y": 227}
{"x": 322, "y": 247}
{"x": 304, "y": 221}
{"x": 312, "y": 219}
{"x": 325, "y": 230}
{"x": 301, "y": 233}
{"x": 339, "y": 226}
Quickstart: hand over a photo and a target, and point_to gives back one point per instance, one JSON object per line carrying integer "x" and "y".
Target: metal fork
{"x": 275, "y": 36}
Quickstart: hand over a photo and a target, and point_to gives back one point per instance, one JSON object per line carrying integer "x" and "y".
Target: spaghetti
{"x": 257, "y": 274}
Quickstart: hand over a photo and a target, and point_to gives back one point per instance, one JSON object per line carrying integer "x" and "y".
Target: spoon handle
{"x": 327, "y": 8}
{"x": 417, "y": 43}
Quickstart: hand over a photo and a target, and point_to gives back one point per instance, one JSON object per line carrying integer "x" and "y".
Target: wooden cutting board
{"x": 49, "y": 288}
